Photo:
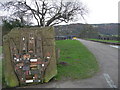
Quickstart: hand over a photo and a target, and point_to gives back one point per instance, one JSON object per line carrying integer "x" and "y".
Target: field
{"x": 76, "y": 61}
{"x": 113, "y": 41}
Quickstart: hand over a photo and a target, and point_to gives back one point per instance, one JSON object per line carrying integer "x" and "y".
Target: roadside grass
{"x": 81, "y": 63}
{"x": 105, "y": 40}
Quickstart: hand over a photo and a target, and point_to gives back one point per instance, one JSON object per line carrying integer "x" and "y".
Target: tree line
{"x": 44, "y": 12}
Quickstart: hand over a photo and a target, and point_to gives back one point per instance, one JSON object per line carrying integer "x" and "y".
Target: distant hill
{"x": 107, "y": 29}
{"x": 74, "y": 29}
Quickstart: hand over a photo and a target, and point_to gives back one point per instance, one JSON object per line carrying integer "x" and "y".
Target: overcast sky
{"x": 100, "y": 11}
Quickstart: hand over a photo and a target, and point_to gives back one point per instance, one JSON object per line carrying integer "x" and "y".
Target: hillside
{"x": 74, "y": 29}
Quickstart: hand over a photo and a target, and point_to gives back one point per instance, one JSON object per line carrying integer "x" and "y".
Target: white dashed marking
{"x": 109, "y": 81}
{"x": 115, "y": 46}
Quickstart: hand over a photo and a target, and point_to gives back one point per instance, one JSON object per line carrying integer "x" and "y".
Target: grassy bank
{"x": 113, "y": 41}
{"x": 80, "y": 62}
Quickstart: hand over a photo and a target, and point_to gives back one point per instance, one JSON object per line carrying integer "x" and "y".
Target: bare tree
{"x": 47, "y": 13}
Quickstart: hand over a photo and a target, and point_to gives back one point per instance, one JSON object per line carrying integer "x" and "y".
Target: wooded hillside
{"x": 75, "y": 29}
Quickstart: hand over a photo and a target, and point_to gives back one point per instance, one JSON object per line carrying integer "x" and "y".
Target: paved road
{"x": 107, "y": 77}
{"x": 107, "y": 57}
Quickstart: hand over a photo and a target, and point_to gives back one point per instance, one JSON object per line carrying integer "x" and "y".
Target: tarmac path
{"x": 107, "y": 77}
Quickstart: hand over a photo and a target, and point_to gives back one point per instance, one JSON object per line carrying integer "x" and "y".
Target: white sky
{"x": 100, "y": 11}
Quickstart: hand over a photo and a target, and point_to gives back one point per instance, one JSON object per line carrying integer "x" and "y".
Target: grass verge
{"x": 81, "y": 63}
{"x": 113, "y": 41}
